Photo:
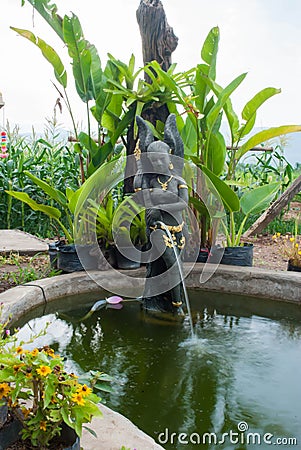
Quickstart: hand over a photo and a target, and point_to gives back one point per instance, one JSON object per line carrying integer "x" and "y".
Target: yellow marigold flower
{"x": 274, "y": 236}
{"x": 35, "y": 352}
{"x": 17, "y": 367}
{"x": 50, "y": 352}
{"x": 292, "y": 239}
{"x": 84, "y": 390}
{"x": 299, "y": 252}
{"x": 43, "y": 425}
{"x": 78, "y": 398}
{"x": 4, "y": 390}
{"x": 44, "y": 371}
{"x": 296, "y": 245}
{"x": 278, "y": 234}
{"x": 19, "y": 350}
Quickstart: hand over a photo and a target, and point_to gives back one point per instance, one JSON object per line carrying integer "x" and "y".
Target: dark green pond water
{"x": 243, "y": 369}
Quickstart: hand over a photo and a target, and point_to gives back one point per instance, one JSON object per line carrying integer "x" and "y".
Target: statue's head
{"x": 159, "y": 152}
{"x": 158, "y": 155}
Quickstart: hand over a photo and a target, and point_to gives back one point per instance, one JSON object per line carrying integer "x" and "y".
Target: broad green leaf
{"x": 72, "y": 199}
{"x": 265, "y": 135}
{"x": 247, "y": 127}
{"x": 228, "y": 197}
{"x": 96, "y": 72}
{"x": 88, "y": 142}
{"x": 52, "y": 212}
{"x": 222, "y": 99}
{"x": 210, "y": 49}
{"x": 258, "y": 199}
{"x": 249, "y": 111}
{"x": 228, "y": 108}
{"x": 189, "y": 137}
{"x": 200, "y": 89}
{"x": 199, "y": 206}
{"x": 48, "y": 12}
{"x": 53, "y": 193}
{"x": 49, "y": 53}
{"x": 78, "y": 49}
{"x": 112, "y": 113}
{"x": 216, "y": 156}
{"x": 252, "y": 106}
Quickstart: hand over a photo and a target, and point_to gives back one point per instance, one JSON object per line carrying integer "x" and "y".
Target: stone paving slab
{"x": 20, "y": 242}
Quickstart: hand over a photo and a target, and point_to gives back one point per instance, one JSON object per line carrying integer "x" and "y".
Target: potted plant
{"x": 64, "y": 250}
{"x": 43, "y": 404}
{"x": 253, "y": 201}
{"x": 291, "y": 248}
{"x": 235, "y": 251}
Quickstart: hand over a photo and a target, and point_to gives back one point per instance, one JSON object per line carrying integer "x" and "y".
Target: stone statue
{"x": 159, "y": 186}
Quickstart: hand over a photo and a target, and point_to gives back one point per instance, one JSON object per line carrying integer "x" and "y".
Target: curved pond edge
{"x": 114, "y": 429}
{"x": 248, "y": 281}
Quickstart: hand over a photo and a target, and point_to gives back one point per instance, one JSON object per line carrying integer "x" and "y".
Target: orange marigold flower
{"x": 19, "y": 350}
{"x": 43, "y": 424}
{"x": 78, "y": 398}
{"x": 84, "y": 390}
{"x": 44, "y": 371}
{"x": 4, "y": 390}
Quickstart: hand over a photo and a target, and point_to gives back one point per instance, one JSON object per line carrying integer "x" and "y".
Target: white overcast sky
{"x": 261, "y": 37}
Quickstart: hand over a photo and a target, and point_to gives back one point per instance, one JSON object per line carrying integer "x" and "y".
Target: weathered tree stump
{"x": 158, "y": 38}
{"x": 274, "y": 209}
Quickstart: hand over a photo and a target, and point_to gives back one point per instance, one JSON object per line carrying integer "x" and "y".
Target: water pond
{"x": 236, "y": 385}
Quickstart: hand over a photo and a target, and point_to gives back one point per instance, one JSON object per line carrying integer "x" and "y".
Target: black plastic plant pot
{"x": 68, "y": 260}
{"x": 69, "y": 438}
{"x": 238, "y": 256}
{"x": 292, "y": 268}
{"x": 125, "y": 262}
{"x": 203, "y": 255}
{"x": 9, "y": 433}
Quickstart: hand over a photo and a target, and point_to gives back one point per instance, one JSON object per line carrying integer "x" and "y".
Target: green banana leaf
{"x": 216, "y": 156}
{"x": 265, "y": 135}
{"x": 49, "y": 53}
{"x": 249, "y": 111}
{"x": 78, "y": 49}
{"x": 258, "y": 199}
{"x": 228, "y": 197}
{"x": 48, "y": 12}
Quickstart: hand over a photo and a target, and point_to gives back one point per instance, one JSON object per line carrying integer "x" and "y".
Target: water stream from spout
{"x": 164, "y": 227}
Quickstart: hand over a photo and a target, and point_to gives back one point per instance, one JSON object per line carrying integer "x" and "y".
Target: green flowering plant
{"x": 290, "y": 247}
{"x": 39, "y": 392}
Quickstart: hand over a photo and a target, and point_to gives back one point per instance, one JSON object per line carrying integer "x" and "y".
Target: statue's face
{"x": 158, "y": 156}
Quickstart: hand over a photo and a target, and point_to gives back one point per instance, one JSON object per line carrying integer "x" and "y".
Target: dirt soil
{"x": 15, "y": 269}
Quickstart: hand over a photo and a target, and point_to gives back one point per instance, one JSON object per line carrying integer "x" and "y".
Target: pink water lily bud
{"x": 114, "y": 300}
{"x": 3, "y": 155}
